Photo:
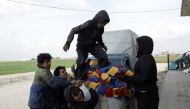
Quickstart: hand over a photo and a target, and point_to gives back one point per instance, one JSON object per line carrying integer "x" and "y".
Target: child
{"x": 89, "y": 41}
{"x": 75, "y": 96}
{"x": 60, "y": 74}
{"x": 59, "y": 82}
{"x": 41, "y": 94}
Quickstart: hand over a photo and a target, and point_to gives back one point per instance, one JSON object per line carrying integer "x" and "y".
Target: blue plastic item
{"x": 120, "y": 84}
{"x": 100, "y": 80}
{"x": 93, "y": 79}
{"x": 101, "y": 89}
{"x": 105, "y": 69}
{"x": 172, "y": 65}
{"x": 112, "y": 84}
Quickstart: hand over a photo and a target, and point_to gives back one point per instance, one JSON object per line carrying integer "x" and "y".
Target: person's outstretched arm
{"x": 74, "y": 31}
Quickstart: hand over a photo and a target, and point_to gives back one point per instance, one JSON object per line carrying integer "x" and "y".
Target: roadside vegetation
{"x": 12, "y": 67}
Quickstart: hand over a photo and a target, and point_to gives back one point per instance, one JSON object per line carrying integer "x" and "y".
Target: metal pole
{"x": 168, "y": 59}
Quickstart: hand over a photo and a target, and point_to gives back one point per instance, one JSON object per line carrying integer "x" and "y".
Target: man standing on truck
{"x": 89, "y": 41}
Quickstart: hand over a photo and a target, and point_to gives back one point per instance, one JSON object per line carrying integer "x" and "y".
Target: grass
{"x": 163, "y": 58}
{"x": 12, "y": 67}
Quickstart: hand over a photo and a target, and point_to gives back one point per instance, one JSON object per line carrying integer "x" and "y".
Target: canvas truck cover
{"x": 185, "y": 8}
{"x": 121, "y": 42}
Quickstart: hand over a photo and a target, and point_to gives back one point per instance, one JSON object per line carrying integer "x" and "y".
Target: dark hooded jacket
{"x": 59, "y": 84}
{"x": 73, "y": 104}
{"x": 145, "y": 69}
{"x": 88, "y": 33}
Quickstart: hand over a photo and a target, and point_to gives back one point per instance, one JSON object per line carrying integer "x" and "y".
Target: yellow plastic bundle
{"x": 112, "y": 71}
{"x": 93, "y": 85}
{"x": 105, "y": 76}
{"x": 109, "y": 78}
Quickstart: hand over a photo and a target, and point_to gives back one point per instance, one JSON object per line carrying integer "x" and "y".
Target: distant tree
{"x": 57, "y": 58}
{"x": 32, "y": 59}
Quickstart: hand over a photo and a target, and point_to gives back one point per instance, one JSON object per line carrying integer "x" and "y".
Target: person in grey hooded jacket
{"x": 89, "y": 41}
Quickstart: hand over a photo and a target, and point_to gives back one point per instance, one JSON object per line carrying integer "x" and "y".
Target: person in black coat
{"x": 76, "y": 99}
{"x": 60, "y": 74}
{"x": 59, "y": 82}
{"x": 89, "y": 41}
{"x": 145, "y": 75}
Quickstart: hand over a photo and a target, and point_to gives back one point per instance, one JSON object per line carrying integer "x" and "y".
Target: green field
{"x": 12, "y": 67}
{"x": 163, "y": 58}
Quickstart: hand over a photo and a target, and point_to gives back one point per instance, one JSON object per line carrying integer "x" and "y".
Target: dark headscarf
{"x": 145, "y": 45}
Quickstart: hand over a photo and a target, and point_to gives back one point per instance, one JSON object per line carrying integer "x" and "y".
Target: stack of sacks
{"x": 108, "y": 80}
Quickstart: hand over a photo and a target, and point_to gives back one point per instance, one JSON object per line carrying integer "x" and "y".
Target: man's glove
{"x": 66, "y": 46}
{"x": 104, "y": 48}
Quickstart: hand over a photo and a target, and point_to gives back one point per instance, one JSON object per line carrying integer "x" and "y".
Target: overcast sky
{"x": 27, "y": 30}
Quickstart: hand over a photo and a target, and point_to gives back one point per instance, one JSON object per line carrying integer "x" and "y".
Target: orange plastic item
{"x": 112, "y": 71}
{"x": 93, "y": 63}
{"x": 129, "y": 73}
{"x": 89, "y": 74}
{"x": 94, "y": 74}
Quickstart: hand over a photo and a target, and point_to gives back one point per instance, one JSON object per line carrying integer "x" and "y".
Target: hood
{"x": 145, "y": 45}
{"x": 67, "y": 94}
{"x": 85, "y": 90}
{"x": 102, "y": 16}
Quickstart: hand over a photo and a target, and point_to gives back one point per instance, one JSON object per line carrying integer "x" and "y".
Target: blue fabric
{"x": 35, "y": 96}
{"x": 41, "y": 97}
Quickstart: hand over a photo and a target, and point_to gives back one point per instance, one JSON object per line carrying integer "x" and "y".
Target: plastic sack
{"x": 111, "y": 103}
{"x": 87, "y": 95}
